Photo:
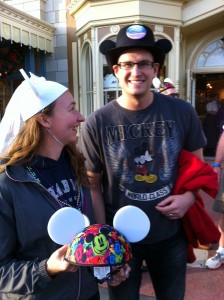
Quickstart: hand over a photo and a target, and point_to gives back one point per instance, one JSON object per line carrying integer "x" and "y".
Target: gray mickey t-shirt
{"x": 138, "y": 151}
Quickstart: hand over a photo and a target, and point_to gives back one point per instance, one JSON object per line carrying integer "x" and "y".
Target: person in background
{"x": 212, "y": 107}
{"x": 132, "y": 146}
{"x": 217, "y": 260}
{"x": 166, "y": 87}
{"x": 220, "y": 117}
{"x": 41, "y": 171}
{"x": 170, "y": 89}
{"x": 210, "y": 125}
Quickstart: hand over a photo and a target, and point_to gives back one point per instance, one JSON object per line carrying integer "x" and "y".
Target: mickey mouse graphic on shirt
{"x": 142, "y": 159}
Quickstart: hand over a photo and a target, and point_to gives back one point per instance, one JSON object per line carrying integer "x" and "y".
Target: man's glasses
{"x": 129, "y": 65}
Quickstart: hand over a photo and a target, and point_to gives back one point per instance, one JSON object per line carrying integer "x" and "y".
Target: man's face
{"x": 136, "y": 81}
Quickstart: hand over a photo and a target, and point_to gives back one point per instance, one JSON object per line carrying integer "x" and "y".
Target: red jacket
{"x": 195, "y": 175}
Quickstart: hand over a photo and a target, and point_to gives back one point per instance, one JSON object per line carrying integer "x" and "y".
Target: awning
{"x": 22, "y": 28}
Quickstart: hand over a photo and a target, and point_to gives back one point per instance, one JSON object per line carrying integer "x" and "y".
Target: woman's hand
{"x": 56, "y": 263}
{"x": 121, "y": 276}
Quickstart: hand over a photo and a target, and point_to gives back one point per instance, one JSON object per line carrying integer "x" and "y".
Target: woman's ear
{"x": 43, "y": 120}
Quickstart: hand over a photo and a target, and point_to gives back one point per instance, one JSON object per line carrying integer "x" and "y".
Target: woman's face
{"x": 65, "y": 119}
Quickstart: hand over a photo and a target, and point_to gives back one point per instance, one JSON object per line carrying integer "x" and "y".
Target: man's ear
{"x": 43, "y": 120}
{"x": 115, "y": 69}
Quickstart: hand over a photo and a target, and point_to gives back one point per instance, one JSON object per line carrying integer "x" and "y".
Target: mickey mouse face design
{"x": 100, "y": 242}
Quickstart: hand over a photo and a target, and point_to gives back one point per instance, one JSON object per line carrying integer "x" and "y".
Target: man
{"x": 132, "y": 146}
{"x": 217, "y": 260}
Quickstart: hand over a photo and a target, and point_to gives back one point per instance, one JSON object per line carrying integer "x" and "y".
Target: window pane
{"x": 212, "y": 56}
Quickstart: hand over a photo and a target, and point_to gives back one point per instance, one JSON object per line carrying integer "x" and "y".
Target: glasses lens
{"x": 145, "y": 64}
{"x": 126, "y": 65}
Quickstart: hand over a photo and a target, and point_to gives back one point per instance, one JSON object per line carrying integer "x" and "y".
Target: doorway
{"x": 207, "y": 88}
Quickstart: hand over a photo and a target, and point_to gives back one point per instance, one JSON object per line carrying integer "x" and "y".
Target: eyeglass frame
{"x": 150, "y": 66}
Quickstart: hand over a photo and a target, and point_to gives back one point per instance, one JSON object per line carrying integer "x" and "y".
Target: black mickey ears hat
{"x": 135, "y": 36}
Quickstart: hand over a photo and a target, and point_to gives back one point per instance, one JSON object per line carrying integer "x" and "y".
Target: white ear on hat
{"x": 31, "y": 96}
{"x": 168, "y": 80}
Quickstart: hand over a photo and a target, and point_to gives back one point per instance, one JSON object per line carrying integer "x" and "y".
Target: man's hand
{"x": 121, "y": 276}
{"x": 175, "y": 206}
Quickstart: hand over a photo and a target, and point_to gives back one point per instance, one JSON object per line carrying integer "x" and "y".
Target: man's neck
{"x": 134, "y": 103}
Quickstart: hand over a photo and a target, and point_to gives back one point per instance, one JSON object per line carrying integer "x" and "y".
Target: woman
{"x": 40, "y": 172}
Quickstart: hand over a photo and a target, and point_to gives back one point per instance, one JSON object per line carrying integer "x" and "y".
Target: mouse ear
{"x": 164, "y": 44}
{"x": 132, "y": 222}
{"x": 65, "y": 224}
{"x": 86, "y": 220}
{"x": 156, "y": 82}
{"x": 106, "y": 45}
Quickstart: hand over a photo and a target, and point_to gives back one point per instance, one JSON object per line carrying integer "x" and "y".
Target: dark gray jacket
{"x": 25, "y": 209}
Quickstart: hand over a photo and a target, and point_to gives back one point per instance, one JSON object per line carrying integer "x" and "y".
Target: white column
{"x": 96, "y": 66}
{"x": 177, "y": 57}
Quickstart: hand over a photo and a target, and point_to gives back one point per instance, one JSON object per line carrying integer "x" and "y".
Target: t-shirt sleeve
{"x": 195, "y": 137}
{"x": 89, "y": 145}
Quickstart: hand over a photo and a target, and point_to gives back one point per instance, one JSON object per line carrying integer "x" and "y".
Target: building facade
{"x": 61, "y": 41}
{"x": 33, "y": 36}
